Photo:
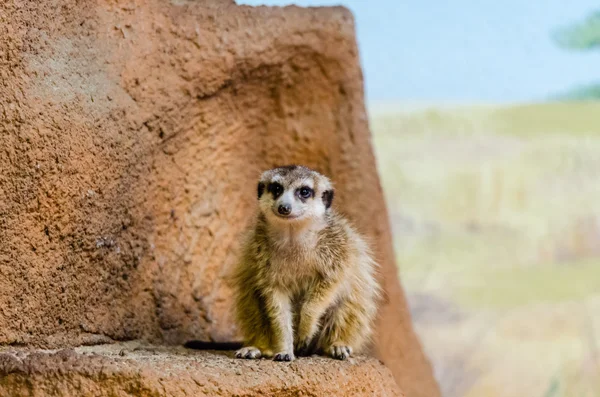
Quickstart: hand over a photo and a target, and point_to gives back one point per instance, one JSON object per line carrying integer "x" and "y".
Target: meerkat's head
{"x": 294, "y": 194}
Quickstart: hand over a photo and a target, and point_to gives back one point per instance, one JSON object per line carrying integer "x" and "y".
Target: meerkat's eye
{"x": 305, "y": 192}
{"x": 276, "y": 189}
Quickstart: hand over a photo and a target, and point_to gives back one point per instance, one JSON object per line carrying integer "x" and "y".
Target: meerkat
{"x": 305, "y": 282}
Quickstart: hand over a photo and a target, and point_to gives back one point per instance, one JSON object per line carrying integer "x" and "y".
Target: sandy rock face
{"x": 131, "y": 137}
{"x": 129, "y": 370}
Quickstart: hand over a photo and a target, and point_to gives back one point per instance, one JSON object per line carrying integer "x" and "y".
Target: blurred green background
{"x": 496, "y": 219}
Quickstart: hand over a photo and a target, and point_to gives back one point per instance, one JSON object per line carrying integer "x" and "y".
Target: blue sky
{"x": 464, "y": 50}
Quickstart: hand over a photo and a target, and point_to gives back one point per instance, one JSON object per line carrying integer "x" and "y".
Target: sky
{"x": 465, "y": 50}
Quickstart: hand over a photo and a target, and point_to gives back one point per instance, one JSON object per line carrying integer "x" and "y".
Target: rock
{"x": 131, "y": 137}
{"x": 171, "y": 371}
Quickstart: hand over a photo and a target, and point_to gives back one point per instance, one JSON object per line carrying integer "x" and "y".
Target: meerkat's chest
{"x": 292, "y": 268}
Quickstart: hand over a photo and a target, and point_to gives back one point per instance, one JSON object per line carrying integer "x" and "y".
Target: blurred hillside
{"x": 496, "y": 215}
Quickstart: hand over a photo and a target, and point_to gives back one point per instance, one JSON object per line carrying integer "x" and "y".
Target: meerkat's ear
{"x": 327, "y": 197}
{"x": 261, "y": 189}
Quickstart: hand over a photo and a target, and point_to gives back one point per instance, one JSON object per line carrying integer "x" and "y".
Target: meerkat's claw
{"x": 283, "y": 356}
{"x": 340, "y": 352}
{"x": 250, "y": 352}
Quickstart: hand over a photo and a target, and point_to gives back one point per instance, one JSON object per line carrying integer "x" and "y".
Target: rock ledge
{"x": 135, "y": 369}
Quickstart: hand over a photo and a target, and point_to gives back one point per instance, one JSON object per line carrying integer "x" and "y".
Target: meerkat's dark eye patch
{"x": 305, "y": 192}
{"x": 327, "y": 197}
{"x": 261, "y": 189}
{"x": 275, "y": 189}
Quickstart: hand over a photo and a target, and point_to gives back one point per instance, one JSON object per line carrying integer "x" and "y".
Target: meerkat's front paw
{"x": 284, "y": 356}
{"x": 340, "y": 351}
{"x": 249, "y": 352}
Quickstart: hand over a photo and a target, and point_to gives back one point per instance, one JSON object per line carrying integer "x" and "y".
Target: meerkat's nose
{"x": 284, "y": 209}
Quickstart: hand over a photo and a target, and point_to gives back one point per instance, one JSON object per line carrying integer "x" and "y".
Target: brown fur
{"x": 304, "y": 285}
